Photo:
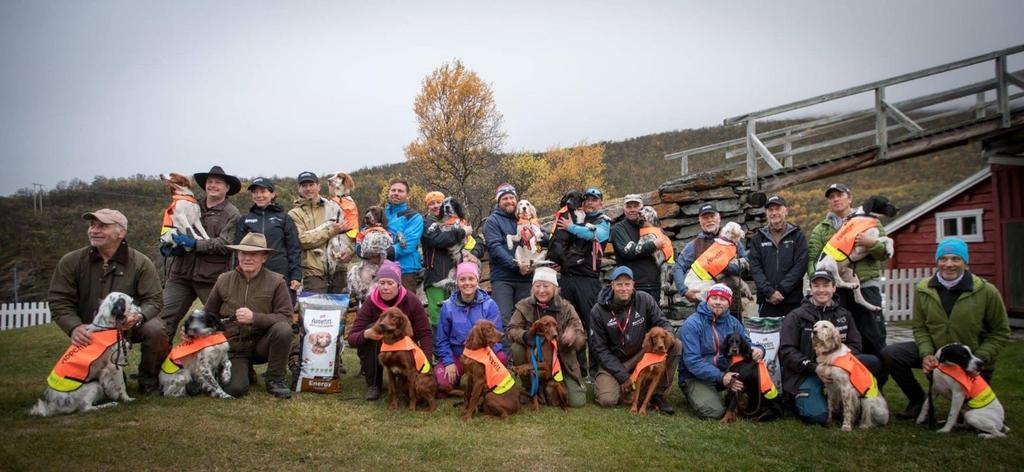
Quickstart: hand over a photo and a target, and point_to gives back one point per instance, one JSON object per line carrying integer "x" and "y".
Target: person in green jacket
{"x": 951, "y": 306}
{"x": 869, "y": 269}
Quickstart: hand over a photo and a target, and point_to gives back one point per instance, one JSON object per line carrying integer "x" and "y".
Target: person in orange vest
{"x": 954, "y": 305}
{"x": 84, "y": 277}
{"x": 803, "y": 389}
{"x": 869, "y": 270}
{"x": 702, "y": 373}
{"x": 710, "y": 223}
{"x": 619, "y": 321}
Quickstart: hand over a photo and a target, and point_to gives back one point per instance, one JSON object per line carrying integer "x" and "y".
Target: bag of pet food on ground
{"x": 767, "y": 332}
{"x": 323, "y": 320}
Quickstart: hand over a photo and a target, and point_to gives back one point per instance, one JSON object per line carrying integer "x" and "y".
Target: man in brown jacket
{"x": 257, "y": 308}
{"x": 197, "y": 263}
{"x": 85, "y": 276}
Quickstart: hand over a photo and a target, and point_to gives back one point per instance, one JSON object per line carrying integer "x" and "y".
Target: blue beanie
{"x": 954, "y": 246}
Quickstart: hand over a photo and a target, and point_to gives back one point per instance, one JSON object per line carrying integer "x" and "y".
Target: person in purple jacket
{"x": 458, "y": 315}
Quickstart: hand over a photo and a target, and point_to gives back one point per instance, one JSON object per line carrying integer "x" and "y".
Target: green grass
{"x": 343, "y": 431}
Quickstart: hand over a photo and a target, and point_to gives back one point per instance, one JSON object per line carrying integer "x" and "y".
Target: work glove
{"x": 170, "y": 250}
{"x": 185, "y": 241}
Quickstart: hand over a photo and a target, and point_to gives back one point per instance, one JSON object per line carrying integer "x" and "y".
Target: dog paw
{"x": 847, "y": 428}
{"x": 945, "y": 429}
{"x": 127, "y": 399}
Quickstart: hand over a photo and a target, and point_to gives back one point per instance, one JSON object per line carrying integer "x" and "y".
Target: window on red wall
{"x": 964, "y": 224}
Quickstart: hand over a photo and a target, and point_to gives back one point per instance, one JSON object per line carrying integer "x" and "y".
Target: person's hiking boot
{"x": 911, "y": 412}
{"x": 658, "y": 403}
{"x": 278, "y": 389}
{"x": 372, "y": 393}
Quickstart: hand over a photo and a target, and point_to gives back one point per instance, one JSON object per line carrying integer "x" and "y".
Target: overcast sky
{"x": 118, "y": 88}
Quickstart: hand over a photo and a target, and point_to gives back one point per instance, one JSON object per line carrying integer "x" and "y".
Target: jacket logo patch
{"x": 251, "y": 220}
{"x": 766, "y": 244}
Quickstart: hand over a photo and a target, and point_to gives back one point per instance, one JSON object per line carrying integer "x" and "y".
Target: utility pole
{"x": 15, "y": 284}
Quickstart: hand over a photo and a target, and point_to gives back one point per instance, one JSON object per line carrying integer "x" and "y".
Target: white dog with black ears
{"x": 526, "y": 241}
{"x": 957, "y": 378}
{"x": 84, "y": 375}
{"x": 195, "y": 365}
{"x": 853, "y": 389}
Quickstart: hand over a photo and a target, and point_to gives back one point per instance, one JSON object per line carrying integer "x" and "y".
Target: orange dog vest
{"x": 406, "y": 344}
{"x": 714, "y": 259}
{"x": 979, "y": 394}
{"x": 860, "y": 377}
{"x": 349, "y": 213}
{"x": 168, "y": 224}
{"x": 764, "y": 378}
{"x": 499, "y": 380}
{"x": 72, "y": 369}
{"x": 648, "y": 360}
{"x": 174, "y": 360}
{"x": 556, "y": 365}
{"x": 660, "y": 236}
{"x": 362, "y": 234}
{"x": 840, "y": 246}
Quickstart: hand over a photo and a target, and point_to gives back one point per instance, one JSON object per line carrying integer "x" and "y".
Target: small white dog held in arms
{"x": 853, "y": 389}
{"x": 194, "y": 365}
{"x": 337, "y": 209}
{"x": 84, "y": 375}
{"x": 709, "y": 267}
{"x": 182, "y": 215}
{"x": 650, "y": 231}
{"x": 526, "y": 242}
{"x": 957, "y": 378}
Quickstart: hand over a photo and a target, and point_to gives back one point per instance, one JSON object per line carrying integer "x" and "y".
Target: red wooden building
{"x": 987, "y": 211}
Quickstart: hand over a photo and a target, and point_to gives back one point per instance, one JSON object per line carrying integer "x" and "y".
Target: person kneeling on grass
{"x": 703, "y": 336}
{"x": 544, "y": 300}
{"x": 458, "y": 315}
{"x": 621, "y": 318}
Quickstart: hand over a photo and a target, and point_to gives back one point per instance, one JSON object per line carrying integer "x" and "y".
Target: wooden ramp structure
{"x": 822, "y": 147}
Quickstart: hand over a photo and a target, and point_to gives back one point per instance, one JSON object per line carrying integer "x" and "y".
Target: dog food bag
{"x": 323, "y": 321}
{"x": 767, "y": 332}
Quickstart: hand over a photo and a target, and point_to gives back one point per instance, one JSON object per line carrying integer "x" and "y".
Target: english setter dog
{"x": 194, "y": 366}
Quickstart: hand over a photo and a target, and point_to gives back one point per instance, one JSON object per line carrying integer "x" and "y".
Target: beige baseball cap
{"x": 107, "y": 217}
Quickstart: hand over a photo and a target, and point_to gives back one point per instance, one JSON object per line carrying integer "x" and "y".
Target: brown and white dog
{"x": 840, "y": 265}
{"x": 340, "y": 248}
{"x": 853, "y": 388}
{"x": 77, "y": 383}
{"x": 182, "y": 215}
{"x": 526, "y": 242}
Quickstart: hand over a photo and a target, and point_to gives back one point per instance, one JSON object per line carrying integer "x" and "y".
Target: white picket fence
{"x": 898, "y": 291}
{"x": 22, "y": 315}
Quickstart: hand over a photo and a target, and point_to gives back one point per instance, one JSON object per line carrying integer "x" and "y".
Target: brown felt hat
{"x": 252, "y": 242}
{"x": 234, "y": 185}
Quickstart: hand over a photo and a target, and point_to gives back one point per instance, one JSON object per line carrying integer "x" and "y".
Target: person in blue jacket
{"x": 701, "y": 377}
{"x": 458, "y": 315}
{"x": 510, "y": 280}
{"x": 710, "y": 223}
{"x": 407, "y": 227}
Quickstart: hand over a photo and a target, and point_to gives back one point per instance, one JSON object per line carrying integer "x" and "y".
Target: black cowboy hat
{"x": 234, "y": 185}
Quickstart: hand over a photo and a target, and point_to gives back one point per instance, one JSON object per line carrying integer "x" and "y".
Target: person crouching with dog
{"x": 800, "y": 381}
{"x": 544, "y": 300}
{"x": 701, "y": 374}
{"x": 389, "y": 292}
{"x": 953, "y": 305}
{"x": 84, "y": 277}
{"x": 619, "y": 321}
{"x": 458, "y": 315}
{"x": 257, "y": 311}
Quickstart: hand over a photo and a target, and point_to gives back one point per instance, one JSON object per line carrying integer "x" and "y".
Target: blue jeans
{"x": 810, "y": 402}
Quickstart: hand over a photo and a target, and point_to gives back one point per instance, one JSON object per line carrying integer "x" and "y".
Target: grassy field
{"x": 345, "y": 432}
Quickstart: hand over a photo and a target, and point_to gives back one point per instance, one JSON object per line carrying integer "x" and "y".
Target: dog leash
{"x": 535, "y": 353}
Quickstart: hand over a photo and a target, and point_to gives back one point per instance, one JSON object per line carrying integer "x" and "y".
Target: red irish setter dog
{"x": 554, "y": 391}
{"x": 403, "y": 375}
{"x": 478, "y": 394}
{"x": 657, "y": 342}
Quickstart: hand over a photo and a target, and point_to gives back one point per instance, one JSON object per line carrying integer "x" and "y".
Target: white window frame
{"x": 977, "y": 213}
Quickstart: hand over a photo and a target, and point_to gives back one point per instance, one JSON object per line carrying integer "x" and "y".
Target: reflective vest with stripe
{"x": 660, "y": 236}
{"x": 176, "y": 359}
{"x": 72, "y": 369}
{"x": 860, "y": 377}
{"x": 349, "y": 213}
{"x": 979, "y": 394}
{"x": 499, "y": 380}
{"x": 764, "y": 378}
{"x": 840, "y": 245}
{"x": 168, "y": 223}
{"x": 714, "y": 259}
{"x": 407, "y": 344}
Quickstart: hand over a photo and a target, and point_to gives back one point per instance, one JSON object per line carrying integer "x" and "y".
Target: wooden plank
{"x": 874, "y": 85}
{"x": 881, "y": 127}
{"x": 1001, "y": 91}
{"x": 765, "y": 153}
{"x": 900, "y": 117}
{"x": 751, "y": 158}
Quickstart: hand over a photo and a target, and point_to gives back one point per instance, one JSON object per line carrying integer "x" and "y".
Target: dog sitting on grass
{"x": 194, "y": 366}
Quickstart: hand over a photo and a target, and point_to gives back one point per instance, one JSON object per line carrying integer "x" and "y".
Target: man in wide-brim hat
{"x": 256, "y": 309}
{"x": 195, "y": 264}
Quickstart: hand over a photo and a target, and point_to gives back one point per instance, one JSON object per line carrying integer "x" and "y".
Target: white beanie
{"x": 545, "y": 274}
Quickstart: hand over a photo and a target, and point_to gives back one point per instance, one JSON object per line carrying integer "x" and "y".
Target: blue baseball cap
{"x": 622, "y": 270}
{"x": 594, "y": 192}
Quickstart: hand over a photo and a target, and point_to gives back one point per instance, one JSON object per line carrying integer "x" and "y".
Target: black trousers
{"x": 778, "y": 310}
{"x": 900, "y": 360}
{"x": 581, "y": 292}
{"x": 867, "y": 322}
{"x": 371, "y": 364}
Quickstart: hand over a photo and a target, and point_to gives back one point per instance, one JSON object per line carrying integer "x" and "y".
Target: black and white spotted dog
{"x": 197, "y": 372}
{"x": 453, "y": 216}
{"x": 105, "y": 378}
{"x": 958, "y": 369}
{"x": 373, "y": 249}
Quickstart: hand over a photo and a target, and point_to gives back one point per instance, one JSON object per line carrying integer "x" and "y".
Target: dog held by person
{"x": 759, "y": 400}
{"x": 453, "y": 216}
{"x": 85, "y": 375}
{"x": 841, "y": 251}
{"x": 195, "y": 365}
{"x": 526, "y": 241}
{"x": 409, "y": 370}
{"x": 709, "y": 268}
{"x": 650, "y": 231}
{"x": 853, "y": 389}
{"x": 375, "y": 244}
{"x": 340, "y": 207}
{"x": 652, "y": 367}
{"x": 957, "y": 378}
{"x": 182, "y": 215}
{"x": 489, "y": 385}
{"x": 544, "y": 369}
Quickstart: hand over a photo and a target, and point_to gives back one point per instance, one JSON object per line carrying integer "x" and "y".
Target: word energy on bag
{"x": 323, "y": 320}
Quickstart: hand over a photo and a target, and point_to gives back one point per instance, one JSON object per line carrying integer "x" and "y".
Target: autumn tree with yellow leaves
{"x": 544, "y": 179}
{"x": 459, "y": 133}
